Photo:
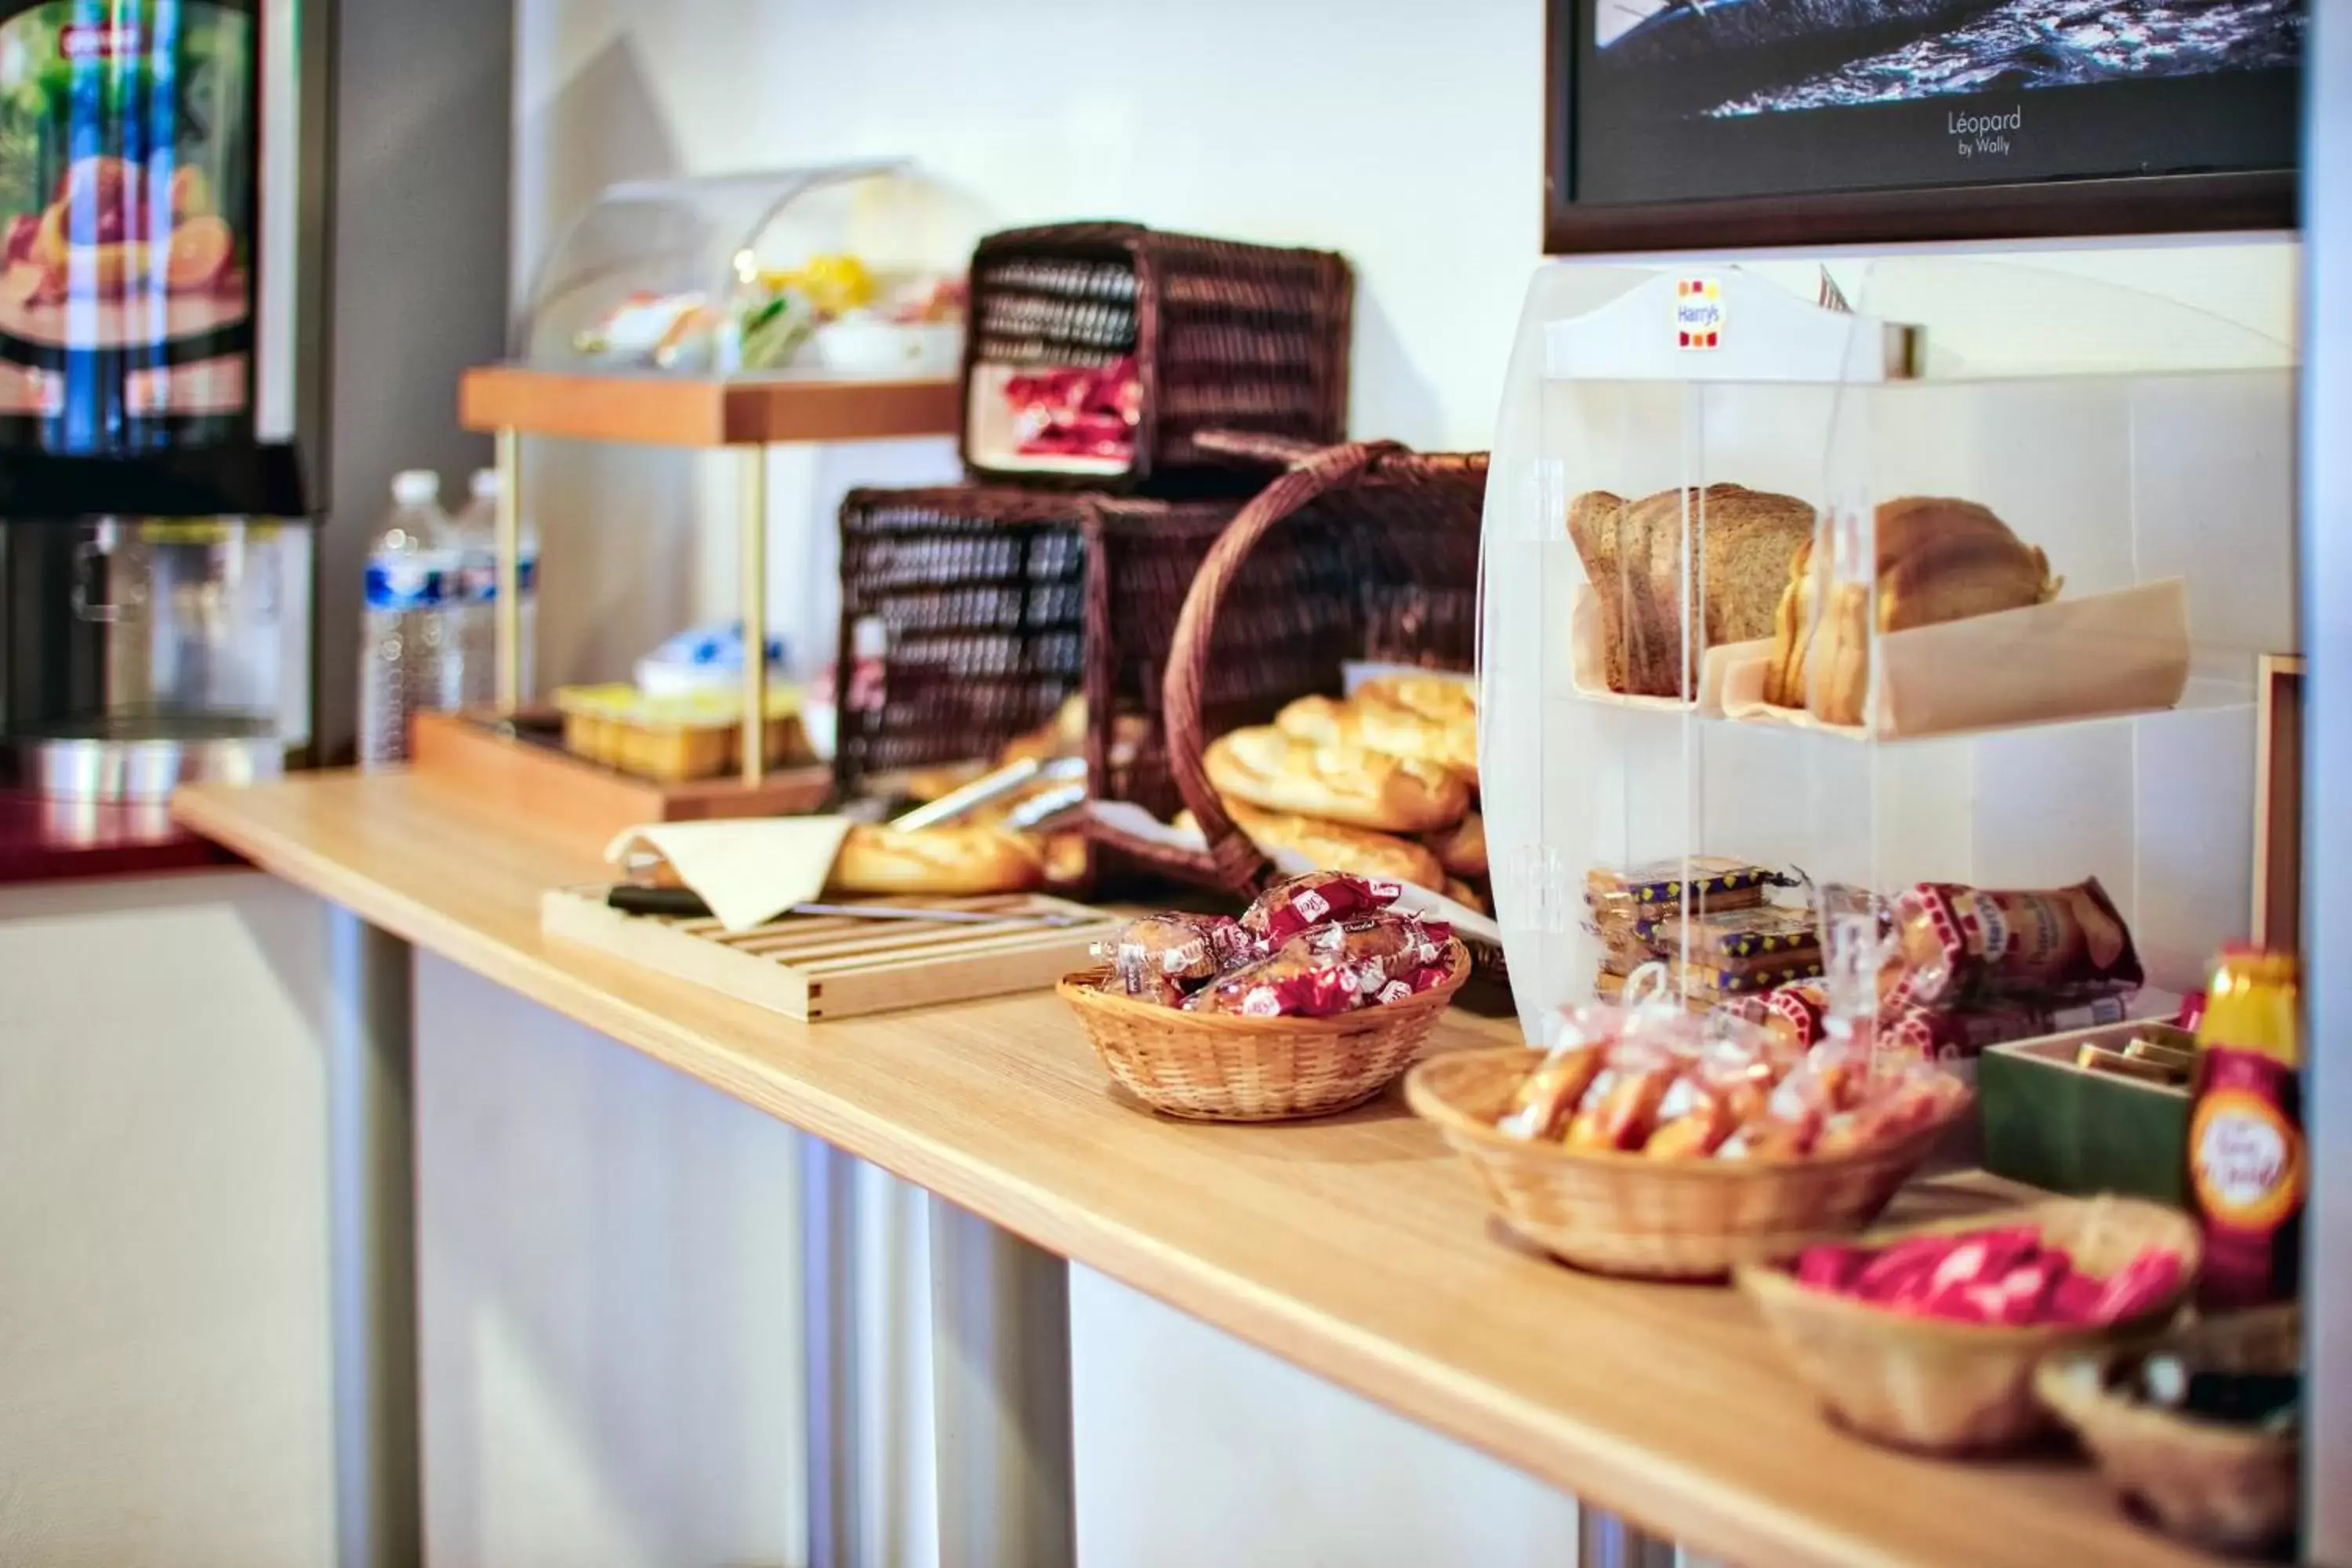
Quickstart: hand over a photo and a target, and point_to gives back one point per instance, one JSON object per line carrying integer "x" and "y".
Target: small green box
{"x": 2067, "y": 1129}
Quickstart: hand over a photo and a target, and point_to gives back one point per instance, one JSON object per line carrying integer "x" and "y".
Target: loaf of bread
{"x": 1328, "y": 847}
{"x": 939, "y": 860}
{"x": 1267, "y": 768}
{"x": 1936, "y": 560}
{"x": 1733, "y": 542}
{"x": 1462, "y": 848}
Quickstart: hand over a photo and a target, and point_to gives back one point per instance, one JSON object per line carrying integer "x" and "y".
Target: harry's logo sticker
{"x": 1698, "y": 313}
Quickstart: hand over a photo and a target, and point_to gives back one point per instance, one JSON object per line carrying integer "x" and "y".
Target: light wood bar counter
{"x": 1354, "y": 1246}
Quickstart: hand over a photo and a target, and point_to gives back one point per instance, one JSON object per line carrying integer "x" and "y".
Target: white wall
{"x": 163, "y": 1355}
{"x": 1408, "y": 136}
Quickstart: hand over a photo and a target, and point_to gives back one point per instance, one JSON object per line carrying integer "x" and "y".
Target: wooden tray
{"x": 820, "y": 966}
{"x": 651, "y": 408}
{"x": 582, "y": 799}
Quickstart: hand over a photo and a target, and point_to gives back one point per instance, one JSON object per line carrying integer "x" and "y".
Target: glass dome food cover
{"x": 1802, "y": 622}
{"x": 831, "y": 270}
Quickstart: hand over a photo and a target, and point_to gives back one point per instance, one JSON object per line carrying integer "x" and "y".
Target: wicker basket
{"x": 1213, "y": 1067}
{"x": 1944, "y": 1387}
{"x": 1000, "y": 602}
{"x": 1224, "y": 336}
{"x": 1404, "y": 527}
{"x": 2226, "y": 1488}
{"x": 1662, "y": 1219}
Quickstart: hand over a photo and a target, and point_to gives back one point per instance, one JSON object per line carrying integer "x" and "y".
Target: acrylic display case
{"x": 1820, "y": 676}
{"x": 831, "y": 270}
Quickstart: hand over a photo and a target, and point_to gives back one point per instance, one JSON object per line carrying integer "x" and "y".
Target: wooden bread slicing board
{"x": 814, "y": 967}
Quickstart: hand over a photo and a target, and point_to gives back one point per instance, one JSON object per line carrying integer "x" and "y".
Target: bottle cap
{"x": 416, "y": 486}
{"x": 485, "y": 485}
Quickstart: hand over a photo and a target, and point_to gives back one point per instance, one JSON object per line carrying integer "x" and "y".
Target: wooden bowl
{"x": 1666, "y": 1219}
{"x": 1220, "y": 1066}
{"x": 2229, "y": 1488}
{"x": 1943, "y": 1387}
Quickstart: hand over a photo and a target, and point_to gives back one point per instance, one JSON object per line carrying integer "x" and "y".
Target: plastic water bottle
{"x": 407, "y": 648}
{"x": 478, "y": 542}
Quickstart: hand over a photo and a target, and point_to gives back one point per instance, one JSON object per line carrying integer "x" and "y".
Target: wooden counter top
{"x": 1354, "y": 1246}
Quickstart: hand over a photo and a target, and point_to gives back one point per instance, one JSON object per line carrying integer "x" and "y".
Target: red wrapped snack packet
{"x": 1955, "y": 942}
{"x": 1312, "y": 899}
{"x": 1288, "y": 986}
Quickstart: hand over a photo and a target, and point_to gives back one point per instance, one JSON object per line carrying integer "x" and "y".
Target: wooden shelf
{"x": 1356, "y": 1246}
{"x": 690, "y": 411}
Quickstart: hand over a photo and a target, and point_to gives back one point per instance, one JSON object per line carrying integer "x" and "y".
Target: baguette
{"x": 889, "y": 860}
{"x": 1350, "y": 785}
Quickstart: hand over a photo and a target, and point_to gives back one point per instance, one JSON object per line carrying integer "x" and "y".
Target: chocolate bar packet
{"x": 1724, "y": 935}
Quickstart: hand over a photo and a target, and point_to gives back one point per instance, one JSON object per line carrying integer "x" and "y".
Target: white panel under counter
{"x": 164, "y": 1341}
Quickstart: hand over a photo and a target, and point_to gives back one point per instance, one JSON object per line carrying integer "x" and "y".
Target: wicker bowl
{"x": 1943, "y": 1387}
{"x": 1216, "y": 1067}
{"x": 2225, "y": 1487}
{"x": 1661, "y": 1219}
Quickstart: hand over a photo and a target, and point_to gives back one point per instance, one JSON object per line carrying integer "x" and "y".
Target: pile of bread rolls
{"x": 1381, "y": 783}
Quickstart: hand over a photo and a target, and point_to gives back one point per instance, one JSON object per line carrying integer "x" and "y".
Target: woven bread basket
{"x": 1404, "y": 527}
{"x": 1218, "y": 1066}
{"x": 2231, "y": 1489}
{"x": 1943, "y": 1387}
{"x": 1663, "y": 1219}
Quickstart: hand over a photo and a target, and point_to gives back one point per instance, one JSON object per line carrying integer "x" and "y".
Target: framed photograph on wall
{"x": 1682, "y": 124}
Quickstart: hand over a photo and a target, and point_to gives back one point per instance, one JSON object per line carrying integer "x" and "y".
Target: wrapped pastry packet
{"x": 1312, "y": 899}
{"x": 1172, "y": 947}
{"x": 1334, "y": 968}
{"x": 1956, "y": 941}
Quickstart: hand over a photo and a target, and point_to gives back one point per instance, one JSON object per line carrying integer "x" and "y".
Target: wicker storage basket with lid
{"x": 999, "y": 604}
{"x": 1403, "y": 526}
{"x": 1224, "y": 336}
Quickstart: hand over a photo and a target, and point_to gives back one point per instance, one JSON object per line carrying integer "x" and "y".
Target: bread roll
{"x": 1462, "y": 848}
{"x": 889, "y": 860}
{"x": 1350, "y": 785}
{"x": 1421, "y": 718}
{"x": 1328, "y": 847}
{"x": 1468, "y": 897}
{"x": 1936, "y": 560}
{"x": 1734, "y": 544}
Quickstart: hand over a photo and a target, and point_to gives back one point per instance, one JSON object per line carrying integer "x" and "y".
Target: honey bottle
{"x": 2247, "y": 1166}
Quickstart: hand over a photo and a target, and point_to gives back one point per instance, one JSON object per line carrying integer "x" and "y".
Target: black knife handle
{"x": 634, "y": 900}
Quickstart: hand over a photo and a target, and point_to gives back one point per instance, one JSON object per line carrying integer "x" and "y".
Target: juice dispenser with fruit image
{"x": 127, "y": 163}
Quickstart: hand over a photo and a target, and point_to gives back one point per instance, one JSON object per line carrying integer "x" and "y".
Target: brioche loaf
{"x": 1350, "y": 785}
{"x": 1936, "y": 560}
{"x": 1734, "y": 543}
{"x": 889, "y": 860}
